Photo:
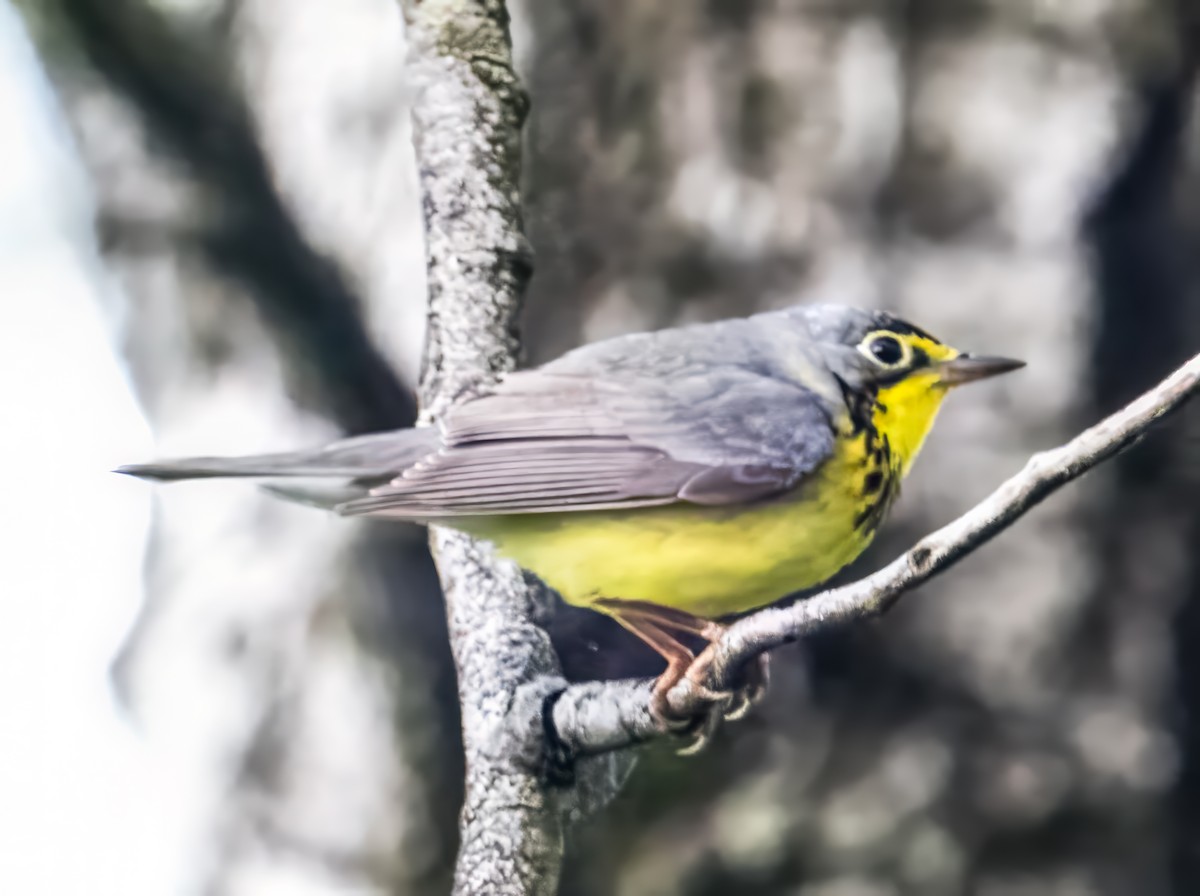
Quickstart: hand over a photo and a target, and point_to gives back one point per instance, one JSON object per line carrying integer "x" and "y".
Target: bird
{"x": 669, "y": 479}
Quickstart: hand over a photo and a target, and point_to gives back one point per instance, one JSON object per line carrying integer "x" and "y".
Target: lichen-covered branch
{"x": 594, "y": 718}
{"x": 467, "y": 120}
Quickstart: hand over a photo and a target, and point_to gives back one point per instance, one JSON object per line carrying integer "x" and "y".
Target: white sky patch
{"x": 82, "y": 809}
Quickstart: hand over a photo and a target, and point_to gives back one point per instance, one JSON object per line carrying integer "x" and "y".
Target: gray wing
{"x": 557, "y": 439}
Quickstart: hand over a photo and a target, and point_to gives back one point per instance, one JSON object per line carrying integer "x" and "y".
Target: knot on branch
{"x": 919, "y": 556}
{"x": 528, "y": 737}
{"x": 557, "y": 767}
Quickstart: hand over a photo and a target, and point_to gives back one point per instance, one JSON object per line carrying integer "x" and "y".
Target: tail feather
{"x": 325, "y": 498}
{"x": 375, "y": 456}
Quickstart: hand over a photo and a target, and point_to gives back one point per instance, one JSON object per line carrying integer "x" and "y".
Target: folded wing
{"x": 552, "y": 441}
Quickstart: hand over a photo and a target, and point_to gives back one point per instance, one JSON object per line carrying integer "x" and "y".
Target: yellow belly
{"x": 708, "y": 561}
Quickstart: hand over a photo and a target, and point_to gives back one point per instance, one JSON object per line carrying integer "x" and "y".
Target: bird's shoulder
{"x": 677, "y": 351}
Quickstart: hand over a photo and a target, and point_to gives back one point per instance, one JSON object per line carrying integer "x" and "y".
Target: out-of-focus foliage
{"x": 1016, "y": 177}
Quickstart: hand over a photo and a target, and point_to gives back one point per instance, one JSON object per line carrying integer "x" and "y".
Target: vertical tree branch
{"x": 467, "y": 121}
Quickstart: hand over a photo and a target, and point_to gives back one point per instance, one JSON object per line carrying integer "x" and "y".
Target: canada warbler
{"x": 664, "y": 478}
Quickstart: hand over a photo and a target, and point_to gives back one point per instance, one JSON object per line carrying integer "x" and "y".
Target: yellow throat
{"x": 905, "y": 411}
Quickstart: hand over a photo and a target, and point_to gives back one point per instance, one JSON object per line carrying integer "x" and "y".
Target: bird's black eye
{"x": 887, "y": 350}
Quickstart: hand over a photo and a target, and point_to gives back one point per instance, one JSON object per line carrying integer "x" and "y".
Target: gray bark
{"x": 468, "y": 115}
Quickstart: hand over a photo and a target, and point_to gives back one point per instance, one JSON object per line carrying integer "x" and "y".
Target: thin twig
{"x": 594, "y": 718}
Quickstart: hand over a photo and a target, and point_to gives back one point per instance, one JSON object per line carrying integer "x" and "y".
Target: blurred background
{"x": 210, "y": 243}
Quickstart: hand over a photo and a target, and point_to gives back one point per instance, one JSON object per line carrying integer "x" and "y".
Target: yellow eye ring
{"x": 886, "y": 350}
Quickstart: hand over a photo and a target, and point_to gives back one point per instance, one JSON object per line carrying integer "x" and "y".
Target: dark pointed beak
{"x": 968, "y": 368}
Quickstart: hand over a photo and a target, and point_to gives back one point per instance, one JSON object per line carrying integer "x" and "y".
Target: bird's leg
{"x": 653, "y": 624}
{"x": 678, "y": 658}
{"x": 665, "y": 617}
{"x": 734, "y": 704}
{"x": 754, "y": 676}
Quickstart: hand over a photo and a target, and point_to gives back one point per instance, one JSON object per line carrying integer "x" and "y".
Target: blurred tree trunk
{"x": 258, "y": 206}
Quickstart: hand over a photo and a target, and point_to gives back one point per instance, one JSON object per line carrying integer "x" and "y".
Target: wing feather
{"x": 550, "y": 442}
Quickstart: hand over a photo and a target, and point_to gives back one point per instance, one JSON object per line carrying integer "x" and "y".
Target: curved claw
{"x": 709, "y": 723}
{"x": 731, "y": 706}
{"x": 723, "y": 706}
{"x": 741, "y": 706}
{"x": 702, "y": 725}
{"x": 756, "y": 678}
{"x": 660, "y": 707}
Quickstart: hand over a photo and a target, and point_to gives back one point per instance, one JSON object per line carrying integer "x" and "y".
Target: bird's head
{"x": 907, "y": 371}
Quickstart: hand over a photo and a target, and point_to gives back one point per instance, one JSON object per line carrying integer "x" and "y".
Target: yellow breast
{"x": 709, "y": 561}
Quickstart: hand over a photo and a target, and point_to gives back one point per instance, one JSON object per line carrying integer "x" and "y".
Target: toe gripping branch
{"x": 590, "y": 718}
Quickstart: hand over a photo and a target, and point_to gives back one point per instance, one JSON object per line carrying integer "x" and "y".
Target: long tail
{"x": 375, "y": 456}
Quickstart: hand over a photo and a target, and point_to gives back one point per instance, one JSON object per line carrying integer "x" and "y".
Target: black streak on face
{"x": 871, "y": 516}
{"x": 860, "y": 404}
{"x": 904, "y": 328}
{"x": 881, "y": 454}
